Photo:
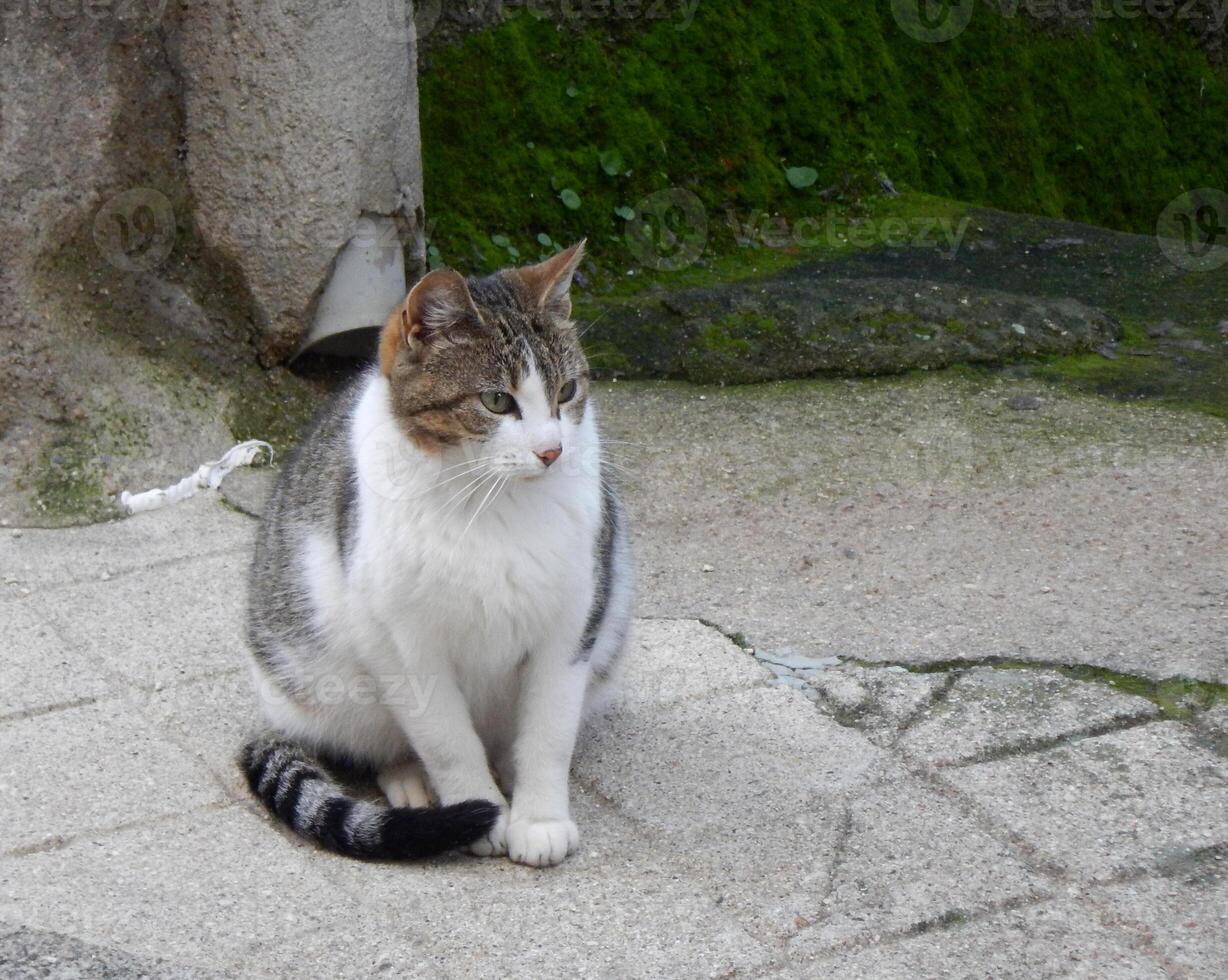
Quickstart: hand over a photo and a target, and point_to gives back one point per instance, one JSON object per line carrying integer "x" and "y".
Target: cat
{"x": 441, "y": 585}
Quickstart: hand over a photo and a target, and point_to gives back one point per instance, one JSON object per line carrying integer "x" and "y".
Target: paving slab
{"x": 881, "y": 700}
{"x": 187, "y": 888}
{"x": 40, "y": 670}
{"x": 37, "y": 557}
{"x": 209, "y": 719}
{"x": 36, "y": 954}
{"x": 1184, "y": 920}
{"x": 100, "y": 765}
{"x": 621, "y": 906}
{"x": 909, "y": 856}
{"x": 674, "y": 659}
{"x": 159, "y": 626}
{"x": 1109, "y": 805}
{"x": 990, "y": 711}
{"x": 1053, "y": 939}
{"x": 691, "y": 766}
{"x": 748, "y": 788}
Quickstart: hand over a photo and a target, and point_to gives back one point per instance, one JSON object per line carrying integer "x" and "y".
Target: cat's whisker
{"x": 468, "y": 462}
{"x": 494, "y": 488}
{"x": 443, "y": 483}
{"x": 471, "y": 487}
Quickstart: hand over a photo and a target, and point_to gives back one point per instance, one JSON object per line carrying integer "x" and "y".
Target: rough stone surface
{"x": 799, "y": 324}
{"x": 727, "y": 824}
{"x": 1085, "y": 533}
{"x": 881, "y": 701}
{"x": 1061, "y": 939}
{"x": 989, "y": 711}
{"x": 1110, "y": 805}
{"x": 1182, "y": 921}
{"x": 907, "y": 857}
{"x": 336, "y": 86}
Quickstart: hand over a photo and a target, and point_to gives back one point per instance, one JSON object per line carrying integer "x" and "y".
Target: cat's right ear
{"x": 437, "y": 304}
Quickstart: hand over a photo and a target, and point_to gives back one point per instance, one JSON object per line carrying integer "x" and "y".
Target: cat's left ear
{"x": 549, "y": 282}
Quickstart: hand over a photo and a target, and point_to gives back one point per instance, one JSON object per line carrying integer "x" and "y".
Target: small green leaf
{"x": 625, "y": 212}
{"x": 513, "y": 251}
{"x": 569, "y": 198}
{"x": 611, "y": 162}
{"x": 501, "y": 240}
{"x": 545, "y": 240}
{"x": 572, "y": 91}
{"x": 800, "y": 177}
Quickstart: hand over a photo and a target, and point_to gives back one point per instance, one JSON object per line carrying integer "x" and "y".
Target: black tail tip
{"x": 417, "y": 833}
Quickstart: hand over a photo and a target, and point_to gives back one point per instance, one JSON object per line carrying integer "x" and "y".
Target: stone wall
{"x": 177, "y": 178}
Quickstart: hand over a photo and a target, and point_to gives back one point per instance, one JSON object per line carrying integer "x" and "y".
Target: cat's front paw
{"x": 541, "y": 843}
{"x": 494, "y": 843}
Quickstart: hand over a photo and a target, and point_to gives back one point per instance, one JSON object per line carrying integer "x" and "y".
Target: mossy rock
{"x": 798, "y": 326}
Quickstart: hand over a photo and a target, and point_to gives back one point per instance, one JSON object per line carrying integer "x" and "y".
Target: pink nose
{"x": 548, "y": 456}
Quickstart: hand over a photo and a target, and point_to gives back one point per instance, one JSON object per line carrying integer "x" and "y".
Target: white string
{"x": 208, "y": 475}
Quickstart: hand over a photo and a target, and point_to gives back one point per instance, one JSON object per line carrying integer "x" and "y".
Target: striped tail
{"x": 296, "y": 789}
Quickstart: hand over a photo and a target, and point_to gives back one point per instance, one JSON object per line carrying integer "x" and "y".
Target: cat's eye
{"x": 499, "y": 402}
{"x": 567, "y": 392}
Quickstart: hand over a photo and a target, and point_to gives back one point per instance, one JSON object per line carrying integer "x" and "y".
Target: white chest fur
{"x": 478, "y": 574}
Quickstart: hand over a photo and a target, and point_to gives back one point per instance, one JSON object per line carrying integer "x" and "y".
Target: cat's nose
{"x": 548, "y": 456}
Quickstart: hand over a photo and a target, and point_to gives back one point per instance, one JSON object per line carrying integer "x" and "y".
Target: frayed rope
{"x": 208, "y": 475}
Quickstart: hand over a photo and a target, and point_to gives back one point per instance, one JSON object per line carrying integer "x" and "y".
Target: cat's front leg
{"x": 437, "y": 722}
{"x": 540, "y": 831}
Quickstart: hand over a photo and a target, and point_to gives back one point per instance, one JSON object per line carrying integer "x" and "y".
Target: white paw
{"x": 494, "y": 844}
{"x": 541, "y": 843}
{"x": 405, "y": 784}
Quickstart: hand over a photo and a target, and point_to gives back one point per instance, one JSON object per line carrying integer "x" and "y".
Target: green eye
{"x": 567, "y": 392}
{"x": 499, "y": 402}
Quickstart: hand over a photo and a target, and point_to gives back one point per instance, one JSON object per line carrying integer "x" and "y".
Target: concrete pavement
{"x": 748, "y": 807}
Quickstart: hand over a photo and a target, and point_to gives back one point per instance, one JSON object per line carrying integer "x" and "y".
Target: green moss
{"x": 1188, "y": 372}
{"x": 275, "y": 411}
{"x": 1105, "y": 124}
{"x": 1178, "y": 698}
{"x": 67, "y": 480}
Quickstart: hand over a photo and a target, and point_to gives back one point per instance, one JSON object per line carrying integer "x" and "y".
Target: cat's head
{"x": 490, "y": 364}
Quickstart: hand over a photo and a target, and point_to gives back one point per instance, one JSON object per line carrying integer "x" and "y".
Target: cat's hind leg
{"x": 405, "y": 784}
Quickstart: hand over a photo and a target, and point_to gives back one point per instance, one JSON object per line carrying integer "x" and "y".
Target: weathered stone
{"x": 1183, "y": 920}
{"x": 300, "y": 119}
{"x": 989, "y": 711}
{"x": 1058, "y": 939}
{"x": 802, "y": 323}
{"x": 879, "y": 700}
{"x": 908, "y": 855}
{"x": 1109, "y": 805}
{"x": 89, "y": 768}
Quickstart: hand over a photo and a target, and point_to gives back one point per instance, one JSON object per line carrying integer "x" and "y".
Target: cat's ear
{"x": 549, "y": 282}
{"x": 438, "y": 304}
